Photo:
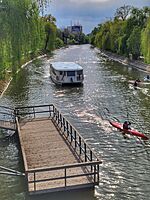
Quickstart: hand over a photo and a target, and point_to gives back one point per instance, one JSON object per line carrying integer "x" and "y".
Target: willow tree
{"x": 50, "y": 31}
{"x": 134, "y": 43}
{"x": 22, "y": 32}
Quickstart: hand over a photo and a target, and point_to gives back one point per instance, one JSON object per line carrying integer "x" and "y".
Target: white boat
{"x": 66, "y": 73}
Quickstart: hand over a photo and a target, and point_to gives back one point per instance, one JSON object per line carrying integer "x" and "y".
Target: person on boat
{"x": 126, "y": 125}
{"x": 148, "y": 77}
{"x": 135, "y": 83}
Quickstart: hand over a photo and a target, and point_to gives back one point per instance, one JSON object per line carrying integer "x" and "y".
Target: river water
{"x": 105, "y": 95}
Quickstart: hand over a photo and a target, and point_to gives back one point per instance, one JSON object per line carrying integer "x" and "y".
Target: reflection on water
{"x": 105, "y": 95}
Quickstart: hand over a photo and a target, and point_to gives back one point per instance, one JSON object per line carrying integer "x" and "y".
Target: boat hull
{"x": 66, "y": 73}
{"x": 65, "y": 83}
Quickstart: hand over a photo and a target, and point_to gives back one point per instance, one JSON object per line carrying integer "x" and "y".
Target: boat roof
{"x": 66, "y": 66}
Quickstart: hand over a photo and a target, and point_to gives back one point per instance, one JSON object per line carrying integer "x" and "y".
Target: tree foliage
{"x": 145, "y": 44}
{"x": 22, "y": 32}
{"x": 123, "y": 12}
{"x": 134, "y": 44}
{"x": 128, "y": 33}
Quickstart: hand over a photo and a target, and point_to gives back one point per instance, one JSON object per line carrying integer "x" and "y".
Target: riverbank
{"x": 126, "y": 61}
{"x": 4, "y": 84}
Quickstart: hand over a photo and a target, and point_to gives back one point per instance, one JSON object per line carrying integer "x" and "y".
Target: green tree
{"x": 123, "y": 34}
{"x": 102, "y": 39}
{"x": 134, "y": 43}
{"x": 59, "y": 43}
{"x": 145, "y": 44}
{"x": 50, "y": 30}
{"x": 123, "y": 12}
{"x": 21, "y": 34}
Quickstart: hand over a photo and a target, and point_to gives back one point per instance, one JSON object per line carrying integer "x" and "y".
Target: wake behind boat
{"x": 119, "y": 126}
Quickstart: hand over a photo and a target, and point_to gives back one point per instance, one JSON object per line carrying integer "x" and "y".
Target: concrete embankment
{"x": 126, "y": 61}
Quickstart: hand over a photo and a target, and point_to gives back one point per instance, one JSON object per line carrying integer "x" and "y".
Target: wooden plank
{"x": 43, "y": 147}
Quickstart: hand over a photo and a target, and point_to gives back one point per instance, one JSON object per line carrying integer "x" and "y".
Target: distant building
{"x": 75, "y": 29}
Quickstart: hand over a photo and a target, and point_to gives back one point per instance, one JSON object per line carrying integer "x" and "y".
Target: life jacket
{"x": 125, "y": 126}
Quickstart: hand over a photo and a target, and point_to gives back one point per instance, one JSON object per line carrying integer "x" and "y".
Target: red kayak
{"x": 129, "y": 131}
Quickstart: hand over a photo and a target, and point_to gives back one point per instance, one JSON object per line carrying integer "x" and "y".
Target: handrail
{"x": 91, "y": 173}
{"x": 64, "y": 126}
{"x": 36, "y": 106}
{"x": 83, "y": 164}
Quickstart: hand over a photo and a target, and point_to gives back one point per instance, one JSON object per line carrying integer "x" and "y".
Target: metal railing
{"x": 63, "y": 175}
{"x": 35, "y": 111}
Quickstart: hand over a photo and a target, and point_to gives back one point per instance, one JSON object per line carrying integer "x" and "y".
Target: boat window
{"x": 70, "y": 73}
{"x": 61, "y": 72}
{"x": 80, "y": 72}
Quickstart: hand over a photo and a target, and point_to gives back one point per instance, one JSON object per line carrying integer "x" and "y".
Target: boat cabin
{"x": 66, "y": 73}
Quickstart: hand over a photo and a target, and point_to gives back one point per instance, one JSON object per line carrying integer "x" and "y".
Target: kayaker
{"x": 135, "y": 83}
{"x": 148, "y": 77}
{"x": 126, "y": 125}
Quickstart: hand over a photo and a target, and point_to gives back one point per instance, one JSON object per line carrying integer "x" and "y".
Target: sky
{"x": 88, "y": 13}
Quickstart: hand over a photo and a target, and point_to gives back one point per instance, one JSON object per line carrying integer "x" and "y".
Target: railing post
{"x": 61, "y": 120}
{"x": 98, "y": 173}
{"x": 75, "y": 139}
{"x": 64, "y": 124}
{"x": 85, "y": 152}
{"x": 26, "y": 175}
{"x": 80, "y": 145}
{"x": 91, "y": 160}
{"x": 49, "y": 110}
{"x": 34, "y": 182}
{"x": 94, "y": 173}
{"x": 67, "y": 128}
{"x": 65, "y": 177}
{"x": 71, "y": 134}
{"x": 57, "y": 117}
{"x": 56, "y": 114}
{"x": 53, "y": 111}
{"x": 34, "y": 112}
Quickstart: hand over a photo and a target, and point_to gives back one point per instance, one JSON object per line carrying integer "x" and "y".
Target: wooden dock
{"x": 56, "y": 157}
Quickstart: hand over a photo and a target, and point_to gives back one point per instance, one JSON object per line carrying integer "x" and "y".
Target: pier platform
{"x": 56, "y": 157}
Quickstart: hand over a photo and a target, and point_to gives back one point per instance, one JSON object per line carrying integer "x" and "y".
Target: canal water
{"x": 105, "y": 95}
